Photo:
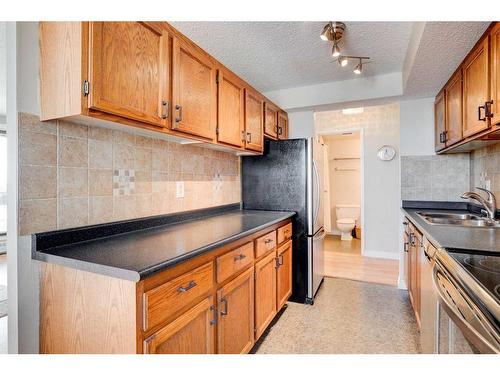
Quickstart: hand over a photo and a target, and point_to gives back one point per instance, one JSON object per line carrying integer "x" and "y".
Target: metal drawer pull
{"x": 239, "y": 257}
{"x": 269, "y": 240}
{"x": 224, "y": 311}
{"x": 164, "y": 109}
{"x": 179, "y": 109}
{"x": 190, "y": 285}
{"x": 214, "y": 320}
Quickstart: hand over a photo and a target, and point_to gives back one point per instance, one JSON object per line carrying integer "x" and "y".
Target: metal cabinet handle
{"x": 239, "y": 257}
{"x": 280, "y": 260}
{"x": 190, "y": 285}
{"x": 280, "y": 130}
{"x": 214, "y": 311}
{"x": 405, "y": 247}
{"x": 487, "y": 109}
{"x": 442, "y": 137}
{"x": 164, "y": 109}
{"x": 243, "y": 136}
{"x": 224, "y": 302}
{"x": 277, "y": 260}
{"x": 179, "y": 110}
{"x": 405, "y": 223}
{"x": 249, "y": 137}
{"x": 269, "y": 240}
{"x": 479, "y": 113}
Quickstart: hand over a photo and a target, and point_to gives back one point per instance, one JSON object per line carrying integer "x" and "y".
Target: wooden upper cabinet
{"x": 495, "y": 74}
{"x": 439, "y": 121}
{"x": 284, "y": 274}
{"x": 129, "y": 70}
{"x": 235, "y": 300}
{"x": 270, "y": 120}
{"x": 192, "y": 332}
{"x": 265, "y": 293}
{"x": 476, "y": 90}
{"x": 194, "y": 90}
{"x": 254, "y": 120}
{"x": 454, "y": 113}
{"x": 282, "y": 125}
{"x": 231, "y": 108}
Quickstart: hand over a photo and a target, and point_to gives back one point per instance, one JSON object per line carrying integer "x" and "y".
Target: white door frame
{"x": 361, "y": 172}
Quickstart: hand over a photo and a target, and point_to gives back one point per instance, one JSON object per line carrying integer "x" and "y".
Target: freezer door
{"x": 315, "y": 262}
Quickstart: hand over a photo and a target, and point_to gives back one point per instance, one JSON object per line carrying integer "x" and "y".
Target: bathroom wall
{"x": 435, "y": 178}
{"x": 344, "y": 175}
{"x": 72, "y": 175}
{"x": 485, "y": 166}
{"x": 381, "y": 191}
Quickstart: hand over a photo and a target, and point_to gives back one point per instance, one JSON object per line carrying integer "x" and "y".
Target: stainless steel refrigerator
{"x": 288, "y": 177}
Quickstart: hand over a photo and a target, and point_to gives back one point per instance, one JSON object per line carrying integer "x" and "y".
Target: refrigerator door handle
{"x": 318, "y": 193}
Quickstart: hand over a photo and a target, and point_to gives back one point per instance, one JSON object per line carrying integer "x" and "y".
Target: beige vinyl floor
{"x": 348, "y": 317}
{"x": 343, "y": 259}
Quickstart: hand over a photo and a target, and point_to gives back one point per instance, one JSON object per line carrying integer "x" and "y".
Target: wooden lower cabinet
{"x": 193, "y": 332}
{"x": 220, "y": 301}
{"x": 284, "y": 274}
{"x": 415, "y": 242}
{"x": 235, "y": 301}
{"x": 265, "y": 293}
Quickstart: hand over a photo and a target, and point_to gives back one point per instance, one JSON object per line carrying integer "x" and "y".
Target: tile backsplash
{"x": 485, "y": 166}
{"x": 435, "y": 178}
{"x": 72, "y": 175}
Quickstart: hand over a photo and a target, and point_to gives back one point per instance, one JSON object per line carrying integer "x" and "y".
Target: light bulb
{"x": 343, "y": 61}
{"x": 358, "y": 68}
{"x": 335, "y": 50}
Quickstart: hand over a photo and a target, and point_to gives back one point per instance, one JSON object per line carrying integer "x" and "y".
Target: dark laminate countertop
{"x": 455, "y": 237}
{"x": 137, "y": 254}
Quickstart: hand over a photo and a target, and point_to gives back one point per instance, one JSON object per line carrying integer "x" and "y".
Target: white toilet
{"x": 346, "y": 220}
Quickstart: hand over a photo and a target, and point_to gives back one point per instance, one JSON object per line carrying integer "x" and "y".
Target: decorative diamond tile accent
{"x": 123, "y": 181}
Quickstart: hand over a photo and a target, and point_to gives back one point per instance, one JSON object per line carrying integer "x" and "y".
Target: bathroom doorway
{"x": 343, "y": 181}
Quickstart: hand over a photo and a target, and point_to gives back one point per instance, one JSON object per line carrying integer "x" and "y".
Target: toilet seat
{"x": 346, "y": 221}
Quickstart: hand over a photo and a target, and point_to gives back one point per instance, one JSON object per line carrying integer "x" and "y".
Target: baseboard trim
{"x": 381, "y": 254}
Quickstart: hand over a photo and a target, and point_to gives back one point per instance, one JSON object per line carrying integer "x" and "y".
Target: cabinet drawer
{"x": 234, "y": 261}
{"x": 165, "y": 300}
{"x": 284, "y": 233}
{"x": 265, "y": 243}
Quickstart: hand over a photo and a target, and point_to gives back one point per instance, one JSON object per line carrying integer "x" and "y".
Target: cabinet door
{"x": 194, "y": 91}
{"x": 236, "y": 323}
{"x": 439, "y": 121}
{"x": 270, "y": 120}
{"x": 476, "y": 90}
{"x": 191, "y": 333}
{"x": 231, "y": 106}
{"x": 495, "y": 73}
{"x": 282, "y": 125}
{"x": 454, "y": 118}
{"x": 284, "y": 274}
{"x": 265, "y": 293}
{"x": 406, "y": 249}
{"x": 254, "y": 120}
{"x": 129, "y": 70}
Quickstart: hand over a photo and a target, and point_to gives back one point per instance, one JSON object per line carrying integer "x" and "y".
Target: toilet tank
{"x": 347, "y": 211}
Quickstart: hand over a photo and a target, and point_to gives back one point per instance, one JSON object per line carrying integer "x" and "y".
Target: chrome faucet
{"x": 490, "y": 204}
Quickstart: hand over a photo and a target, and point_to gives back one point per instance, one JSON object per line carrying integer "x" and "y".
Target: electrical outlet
{"x": 179, "y": 189}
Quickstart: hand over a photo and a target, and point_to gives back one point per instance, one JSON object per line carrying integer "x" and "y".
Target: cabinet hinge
{"x": 86, "y": 88}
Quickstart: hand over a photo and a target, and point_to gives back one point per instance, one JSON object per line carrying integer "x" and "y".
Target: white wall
{"x": 301, "y": 124}
{"x": 381, "y": 192}
{"x": 417, "y": 126}
{"x": 345, "y": 185}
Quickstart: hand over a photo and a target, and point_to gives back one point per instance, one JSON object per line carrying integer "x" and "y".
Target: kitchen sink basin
{"x": 464, "y": 220}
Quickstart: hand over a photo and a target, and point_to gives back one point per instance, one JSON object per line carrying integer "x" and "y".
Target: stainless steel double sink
{"x": 464, "y": 219}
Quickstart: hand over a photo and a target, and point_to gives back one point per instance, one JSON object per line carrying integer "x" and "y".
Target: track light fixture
{"x": 333, "y": 32}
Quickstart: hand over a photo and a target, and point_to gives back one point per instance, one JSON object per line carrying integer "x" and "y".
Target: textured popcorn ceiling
{"x": 442, "y": 48}
{"x": 276, "y": 55}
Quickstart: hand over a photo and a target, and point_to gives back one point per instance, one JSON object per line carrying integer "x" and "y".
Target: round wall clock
{"x": 386, "y": 153}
